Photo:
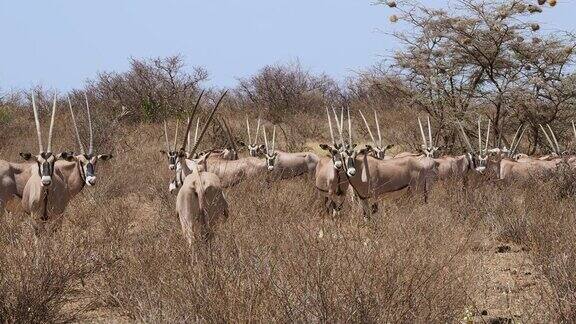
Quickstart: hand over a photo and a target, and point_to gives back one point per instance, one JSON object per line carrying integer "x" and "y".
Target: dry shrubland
{"x": 120, "y": 256}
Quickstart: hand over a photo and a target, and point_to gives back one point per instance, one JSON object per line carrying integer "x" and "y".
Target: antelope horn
{"x": 429, "y": 131}
{"x": 342, "y": 123}
{"x": 37, "y": 122}
{"x": 274, "y": 139}
{"x": 166, "y": 136}
{"x": 176, "y": 133}
{"x": 229, "y": 133}
{"x": 257, "y": 131}
{"x": 49, "y": 149}
{"x": 547, "y": 137}
{"x": 189, "y": 135}
{"x": 422, "y": 133}
{"x": 91, "y": 143}
{"x": 487, "y": 137}
{"x": 518, "y": 140}
{"x": 191, "y": 119}
{"x": 265, "y": 139}
{"x": 349, "y": 125}
{"x": 196, "y": 131}
{"x": 466, "y": 139}
{"x": 332, "y": 131}
{"x": 207, "y": 123}
{"x": 554, "y": 138}
{"x": 367, "y": 127}
{"x": 76, "y": 128}
{"x": 338, "y": 125}
{"x": 514, "y": 139}
{"x": 574, "y": 129}
{"x": 479, "y": 137}
{"x": 248, "y": 130}
{"x": 378, "y": 128}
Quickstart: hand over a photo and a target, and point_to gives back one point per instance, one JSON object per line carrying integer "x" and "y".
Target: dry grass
{"x": 120, "y": 255}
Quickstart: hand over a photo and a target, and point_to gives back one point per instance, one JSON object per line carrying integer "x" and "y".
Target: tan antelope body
{"x": 373, "y": 178}
{"x": 13, "y": 178}
{"x": 527, "y": 170}
{"x": 45, "y": 194}
{"x": 232, "y": 172}
{"x": 330, "y": 176}
{"x": 200, "y": 202}
{"x": 201, "y": 205}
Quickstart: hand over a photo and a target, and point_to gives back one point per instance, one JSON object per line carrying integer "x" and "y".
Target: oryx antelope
{"x": 13, "y": 178}
{"x": 200, "y": 202}
{"x": 254, "y": 148}
{"x": 371, "y": 178}
{"x": 80, "y": 170}
{"x": 288, "y": 165}
{"x": 377, "y": 149}
{"x": 45, "y": 193}
{"x": 330, "y": 177}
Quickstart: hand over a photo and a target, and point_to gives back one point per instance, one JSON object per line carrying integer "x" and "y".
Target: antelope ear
{"x": 365, "y": 150}
{"x": 262, "y": 147}
{"x": 354, "y": 146}
{"x": 163, "y": 152}
{"x": 240, "y": 143}
{"x": 325, "y": 147}
{"x": 26, "y": 156}
{"x": 105, "y": 157}
{"x": 389, "y": 146}
{"x": 368, "y": 147}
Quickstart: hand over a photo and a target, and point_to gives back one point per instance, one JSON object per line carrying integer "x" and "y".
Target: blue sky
{"x": 61, "y": 43}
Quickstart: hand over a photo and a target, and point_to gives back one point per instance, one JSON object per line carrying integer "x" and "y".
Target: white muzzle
{"x": 90, "y": 180}
{"x": 480, "y": 169}
{"x": 270, "y": 167}
{"x": 338, "y": 164}
{"x": 351, "y": 172}
{"x": 46, "y": 180}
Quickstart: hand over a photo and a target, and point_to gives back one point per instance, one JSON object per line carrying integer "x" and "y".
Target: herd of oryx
{"x": 47, "y": 185}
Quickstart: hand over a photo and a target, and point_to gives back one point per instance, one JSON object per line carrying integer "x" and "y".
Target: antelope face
{"x": 350, "y": 154}
{"x": 478, "y": 162}
{"x": 256, "y": 150}
{"x": 430, "y": 151}
{"x": 377, "y": 151}
{"x": 336, "y": 154}
{"x": 172, "y": 158}
{"x": 271, "y": 160}
{"x": 88, "y": 165}
{"x": 45, "y": 161}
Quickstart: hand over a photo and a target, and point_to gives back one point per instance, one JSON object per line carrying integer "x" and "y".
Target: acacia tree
{"x": 486, "y": 58}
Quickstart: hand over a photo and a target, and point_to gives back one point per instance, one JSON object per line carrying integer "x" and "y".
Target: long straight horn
{"x": 274, "y": 139}
{"x": 229, "y": 133}
{"x": 91, "y": 143}
{"x": 514, "y": 139}
{"x": 166, "y": 136}
{"x": 574, "y": 129}
{"x": 479, "y": 137}
{"x": 338, "y": 125}
{"x": 487, "y": 137}
{"x": 332, "y": 131}
{"x": 349, "y": 125}
{"x": 76, "y": 127}
{"x": 368, "y": 127}
{"x": 265, "y": 140}
{"x": 50, "y": 132}
{"x": 466, "y": 139}
{"x": 248, "y": 130}
{"x": 378, "y": 129}
{"x": 515, "y": 148}
{"x": 196, "y": 131}
{"x": 548, "y": 138}
{"x": 176, "y": 133}
{"x": 429, "y": 131}
{"x": 189, "y": 135}
{"x": 207, "y": 124}
{"x": 257, "y": 131}
{"x": 184, "y": 145}
{"x": 37, "y": 122}
{"x": 554, "y": 138}
{"x": 422, "y": 133}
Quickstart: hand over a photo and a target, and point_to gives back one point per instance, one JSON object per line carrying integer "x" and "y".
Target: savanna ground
{"x": 506, "y": 250}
